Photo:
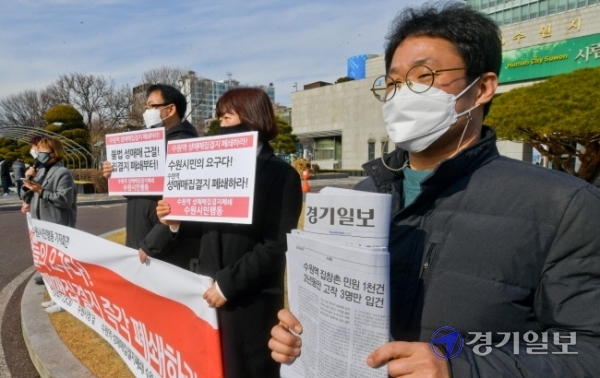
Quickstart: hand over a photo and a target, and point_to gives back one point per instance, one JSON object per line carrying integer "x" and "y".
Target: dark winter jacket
{"x": 5, "y": 172}
{"x": 18, "y": 169}
{"x": 496, "y": 245}
{"x": 248, "y": 261}
{"x": 141, "y": 210}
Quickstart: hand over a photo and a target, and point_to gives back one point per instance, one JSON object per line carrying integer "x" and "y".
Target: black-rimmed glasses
{"x": 418, "y": 79}
{"x": 154, "y": 106}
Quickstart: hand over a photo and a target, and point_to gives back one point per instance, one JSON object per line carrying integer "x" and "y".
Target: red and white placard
{"x": 138, "y": 159}
{"x": 211, "y": 179}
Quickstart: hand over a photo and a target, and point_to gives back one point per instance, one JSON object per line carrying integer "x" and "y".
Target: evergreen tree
{"x": 559, "y": 117}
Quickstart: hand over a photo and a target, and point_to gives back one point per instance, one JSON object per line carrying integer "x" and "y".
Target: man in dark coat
{"x": 19, "y": 174}
{"x": 168, "y": 107}
{"x": 503, "y": 253}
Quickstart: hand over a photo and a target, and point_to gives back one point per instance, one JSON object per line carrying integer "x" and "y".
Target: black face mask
{"x": 241, "y": 128}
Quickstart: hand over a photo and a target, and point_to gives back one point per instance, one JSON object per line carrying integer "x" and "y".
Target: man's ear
{"x": 486, "y": 88}
{"x": 172, "y": 111}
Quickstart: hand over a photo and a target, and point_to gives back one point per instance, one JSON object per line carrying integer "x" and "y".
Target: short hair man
{"x": 478, "y": 242}
{"x": 165, "y": 107}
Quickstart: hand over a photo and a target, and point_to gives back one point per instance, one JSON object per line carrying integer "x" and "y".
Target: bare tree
{"x": 193, "y": 87}
{"x": 164, "y": 75}
{"x": 25, "y": 109}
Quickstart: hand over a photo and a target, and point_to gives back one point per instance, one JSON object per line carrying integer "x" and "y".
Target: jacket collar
{"x": 265, "y": 154}
{"x": 183, "y": 127}
{"x": 448, "y": 171}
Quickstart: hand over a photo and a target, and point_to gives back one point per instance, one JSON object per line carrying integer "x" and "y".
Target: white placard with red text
{"x": 153, "y": 314}
{"x": 211, "y": 179}
{"x": 138, "y": 159}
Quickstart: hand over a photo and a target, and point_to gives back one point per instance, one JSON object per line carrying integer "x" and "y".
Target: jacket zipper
{"x": 424, "y": 275}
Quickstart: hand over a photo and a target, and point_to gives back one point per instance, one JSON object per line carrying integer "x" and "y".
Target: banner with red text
{"x": 152, "y": 314}
{"x": 211, "y": 179}
{"x": 138, "y": 159}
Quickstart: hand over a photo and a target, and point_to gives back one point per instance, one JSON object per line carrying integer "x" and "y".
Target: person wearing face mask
{"x": 165, "y": 107}
{"x": 481, "y": 243}
{"x": 247, "y": 261}
{"x": 54, "y": 193}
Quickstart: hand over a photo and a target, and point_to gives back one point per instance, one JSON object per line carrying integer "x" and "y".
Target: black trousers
{"x": 245, "y": 329}
{"x": 140, "y": 219}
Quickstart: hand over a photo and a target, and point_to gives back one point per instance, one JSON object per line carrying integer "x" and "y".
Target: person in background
{"x": 19, "y": 174}
{"x": 247, "y": 261}
{"x": 5, "y": 176}
{"x": 54, "y": 193}
{"x": 165, "y": 107}
{"x": 484, "y": 244}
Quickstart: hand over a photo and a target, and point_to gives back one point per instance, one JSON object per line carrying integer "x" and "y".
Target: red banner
{"x": 153, "y": 315}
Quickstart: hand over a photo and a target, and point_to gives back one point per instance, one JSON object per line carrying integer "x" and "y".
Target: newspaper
{"x": 337, "y": 287}
{"x": 349, "y": 216}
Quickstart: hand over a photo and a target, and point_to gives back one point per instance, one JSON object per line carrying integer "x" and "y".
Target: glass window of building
{"x": 543, "y": 8}
{"x": 371, "y": 151}
{"x": 551, "y": 7}
{"x": 524, "y": 12}
{"x": 562, "y": 6}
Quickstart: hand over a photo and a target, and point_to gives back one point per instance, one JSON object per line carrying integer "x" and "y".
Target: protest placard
{"x": 138, "y": 159}
{"x": 211, "y": 179}
{"x": 153, "y": 315}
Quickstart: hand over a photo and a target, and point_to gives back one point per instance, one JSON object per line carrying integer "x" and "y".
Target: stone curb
{"x": 49, "y": 354}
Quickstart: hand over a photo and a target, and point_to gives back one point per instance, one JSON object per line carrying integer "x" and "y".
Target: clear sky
{"x": 258, "y": 41}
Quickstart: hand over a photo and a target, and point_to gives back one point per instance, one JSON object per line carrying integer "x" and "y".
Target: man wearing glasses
{"x": 165, "y": 107}
{"x": 487, "y": 245}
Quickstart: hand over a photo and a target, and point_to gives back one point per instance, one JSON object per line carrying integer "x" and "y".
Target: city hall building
{"x": 341, "y": 125}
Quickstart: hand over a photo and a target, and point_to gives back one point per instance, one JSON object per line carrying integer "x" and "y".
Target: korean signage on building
{"x": 550, "y": 59}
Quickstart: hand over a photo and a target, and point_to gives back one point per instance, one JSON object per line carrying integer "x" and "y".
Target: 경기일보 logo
{"x": 448, "y": 340}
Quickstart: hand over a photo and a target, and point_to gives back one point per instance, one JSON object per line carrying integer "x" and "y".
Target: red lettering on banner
{"x": 136, "y": 184}
{"x": 170, "y": 336}
{"x": 216, "y": 207}
{"x": 134, "y": 137}
{"x": 211, "y": 145}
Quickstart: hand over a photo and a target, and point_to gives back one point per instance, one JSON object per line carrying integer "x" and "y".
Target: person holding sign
{"x": 498, "y": 253}
{"x": 247, "y": 261}
{"x": 165, "y": 107}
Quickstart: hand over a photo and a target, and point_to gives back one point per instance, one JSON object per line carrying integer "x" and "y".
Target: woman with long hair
{"x": 247, "y": 261}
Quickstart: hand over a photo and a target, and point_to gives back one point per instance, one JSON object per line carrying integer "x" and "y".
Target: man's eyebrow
{"x": 416, "y": 62}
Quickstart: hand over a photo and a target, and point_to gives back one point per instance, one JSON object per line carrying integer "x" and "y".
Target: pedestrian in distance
{"x": 5, "y": 176}
{"x": 19, "y": 174}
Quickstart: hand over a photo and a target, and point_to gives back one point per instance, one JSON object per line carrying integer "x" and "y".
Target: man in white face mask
{"x": 165, "y": 107}
{"x": 480, "y": 244}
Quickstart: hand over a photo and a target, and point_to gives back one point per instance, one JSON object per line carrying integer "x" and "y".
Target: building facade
{"x": 341, "y": 125}
{"x": 202, "y": 95}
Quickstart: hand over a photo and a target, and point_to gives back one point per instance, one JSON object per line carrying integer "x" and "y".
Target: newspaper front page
{"x": 340, "y": 294}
